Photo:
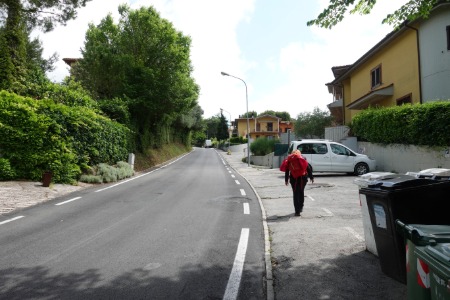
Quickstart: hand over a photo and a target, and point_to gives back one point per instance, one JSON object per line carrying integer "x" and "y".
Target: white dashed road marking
{"x": 231, "y": 292}
{"x": 237, "y": 182}
{"x": 246, "y": 209}
{"x": 10, "y": 220}
{"x": 312, "y": 199}
{"x": 355, "y": 234}
{"x": 61, "y": 203}
{"x": 243, "y": 192}
{"x": 329, "y": 213}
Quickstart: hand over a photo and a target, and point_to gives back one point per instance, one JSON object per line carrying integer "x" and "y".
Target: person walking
{"x": 298, "y": 183}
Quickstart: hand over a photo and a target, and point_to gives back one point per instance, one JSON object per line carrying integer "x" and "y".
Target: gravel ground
{"x": 15, "y": 195}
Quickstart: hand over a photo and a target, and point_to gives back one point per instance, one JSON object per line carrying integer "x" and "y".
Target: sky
{"x": 284, "y": 63}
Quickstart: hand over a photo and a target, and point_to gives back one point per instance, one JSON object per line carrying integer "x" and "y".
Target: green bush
{"x": 91, "y": 178}
{"x": 41, "y": 135}
{"x": 263, "y": 146}
{"x": 6, "y": 172}
{"x": 237, "y": 140}
{"x": 106, "y": 173}
{"x": 124, "y": 170}
{"x": 420, "y": 124}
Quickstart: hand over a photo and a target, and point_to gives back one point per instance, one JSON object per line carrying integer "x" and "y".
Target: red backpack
{"x": 297, "y": 165}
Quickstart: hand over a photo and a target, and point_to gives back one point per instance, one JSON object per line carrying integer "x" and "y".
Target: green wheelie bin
{"x": 418, "y": 235}
{"x": 434, "y": 263}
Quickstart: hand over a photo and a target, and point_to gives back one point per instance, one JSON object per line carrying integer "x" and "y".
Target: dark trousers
{"x": 298, "y": 188}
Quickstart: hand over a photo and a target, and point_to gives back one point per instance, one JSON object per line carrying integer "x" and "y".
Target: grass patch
{"x": 154, "y": 157}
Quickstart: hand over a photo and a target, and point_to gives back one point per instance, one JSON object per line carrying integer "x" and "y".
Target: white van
{"x": 328, "y": 156}
{"x": 208, "y": 144}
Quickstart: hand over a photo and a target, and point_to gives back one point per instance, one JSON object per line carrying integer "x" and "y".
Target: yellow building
{"x": 262, "y": 126}
{"x": 387, "y": 75}
{"x": 410, "y": 65}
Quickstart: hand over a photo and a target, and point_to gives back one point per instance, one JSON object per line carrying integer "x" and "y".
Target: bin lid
{"x": 365, "y": 179}
{"x": 441, "y": 252}
{"x": 400, "y": 181}
{"x": 436, "y": 173}
{"x": 422, "y": 235}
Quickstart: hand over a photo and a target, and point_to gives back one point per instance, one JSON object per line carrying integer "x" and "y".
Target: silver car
{"x": 328, "y": 156}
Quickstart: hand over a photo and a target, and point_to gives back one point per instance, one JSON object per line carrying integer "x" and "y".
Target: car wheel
{"x": 361, "y": 168}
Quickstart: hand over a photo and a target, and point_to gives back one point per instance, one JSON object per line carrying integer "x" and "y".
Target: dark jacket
{"x": 309, "y": 174}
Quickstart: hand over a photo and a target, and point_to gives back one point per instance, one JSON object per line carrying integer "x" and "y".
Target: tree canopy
{"x": 21, "y": 59}
{"x": 144, "y": 61}
{"x": 40, "y": 13}
{"x": 283, "y": 115}
{"x": 335, "y": 12}
{"x": 312, "y": 125}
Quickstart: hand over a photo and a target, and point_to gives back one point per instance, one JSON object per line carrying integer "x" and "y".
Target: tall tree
{"x": 312, "y": 125}
{"x": 222, "y": 128}
{"x": 212, "y": 124}
{"x": 40, "y": 13}
{"x": 146, "y": 60}
{"x": 17, "y": 19}
{"x": 335, "y": 12}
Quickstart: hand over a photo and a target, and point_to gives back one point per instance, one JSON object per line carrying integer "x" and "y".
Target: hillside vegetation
{"x": 130, "y": 92}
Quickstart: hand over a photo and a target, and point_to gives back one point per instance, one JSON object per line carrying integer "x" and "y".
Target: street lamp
{"x": 221, "y": 110}
{"x": 248, "y": 122}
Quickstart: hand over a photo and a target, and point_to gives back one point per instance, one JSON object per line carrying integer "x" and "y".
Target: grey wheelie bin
{"x": 411, "y": 200}
{"x": 364, "y": 181}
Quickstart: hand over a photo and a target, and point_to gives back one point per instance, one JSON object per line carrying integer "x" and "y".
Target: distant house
{"x": 70, "y": 61}
{"x": 262, "y": 126}
{"x": 410, "y": 65}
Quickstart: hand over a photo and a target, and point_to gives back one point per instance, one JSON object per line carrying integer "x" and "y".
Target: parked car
{"x": 328, "y": 156}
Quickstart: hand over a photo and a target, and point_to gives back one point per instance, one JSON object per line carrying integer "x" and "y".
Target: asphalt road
{"x": 188, "y": 230}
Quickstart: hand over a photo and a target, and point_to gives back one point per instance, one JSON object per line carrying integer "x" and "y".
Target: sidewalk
{"x": 320, "y": 255}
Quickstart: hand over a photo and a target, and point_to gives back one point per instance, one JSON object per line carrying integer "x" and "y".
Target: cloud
{"x": 307, "y": 64}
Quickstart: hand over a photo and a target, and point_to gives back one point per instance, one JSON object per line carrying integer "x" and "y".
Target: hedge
{"x": 41, "y": 135}
{"x": 420, "y": 124}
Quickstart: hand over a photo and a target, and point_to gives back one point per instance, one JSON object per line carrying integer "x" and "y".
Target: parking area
{"x": 321, "y": 254}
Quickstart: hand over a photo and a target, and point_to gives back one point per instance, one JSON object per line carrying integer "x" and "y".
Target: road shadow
{"x": 192, "y": 282}
{"x": 353, "y": 276}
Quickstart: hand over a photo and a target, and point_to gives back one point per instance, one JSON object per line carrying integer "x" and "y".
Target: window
{"x": 306, "y": 148}
{"x": 448, "y": 37}
{"x": 375, "y": 76}
{"x": 404, "y": 100}
{"x": 339, "y": 150}
{"x": 269, "y": 126}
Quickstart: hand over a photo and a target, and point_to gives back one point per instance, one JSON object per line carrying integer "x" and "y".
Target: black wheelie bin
{"x": 411, "y": 200}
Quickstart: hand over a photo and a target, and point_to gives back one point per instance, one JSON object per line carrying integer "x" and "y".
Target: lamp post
{"x": 230, "y": 127}
{"x": 248, "y": 122}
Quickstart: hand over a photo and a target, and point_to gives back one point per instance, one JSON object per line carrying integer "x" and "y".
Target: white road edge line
{"x": 246, "y": 209}
{"x": 10, "y": 220}
{"x": 139, "y": 176}
{"x": 237, "y": 182}
{"x": 352, "y": 231}
{"x": 243, "y": 192}
{"x": 232, "y": 290}
{"x": 64, "y": 202}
